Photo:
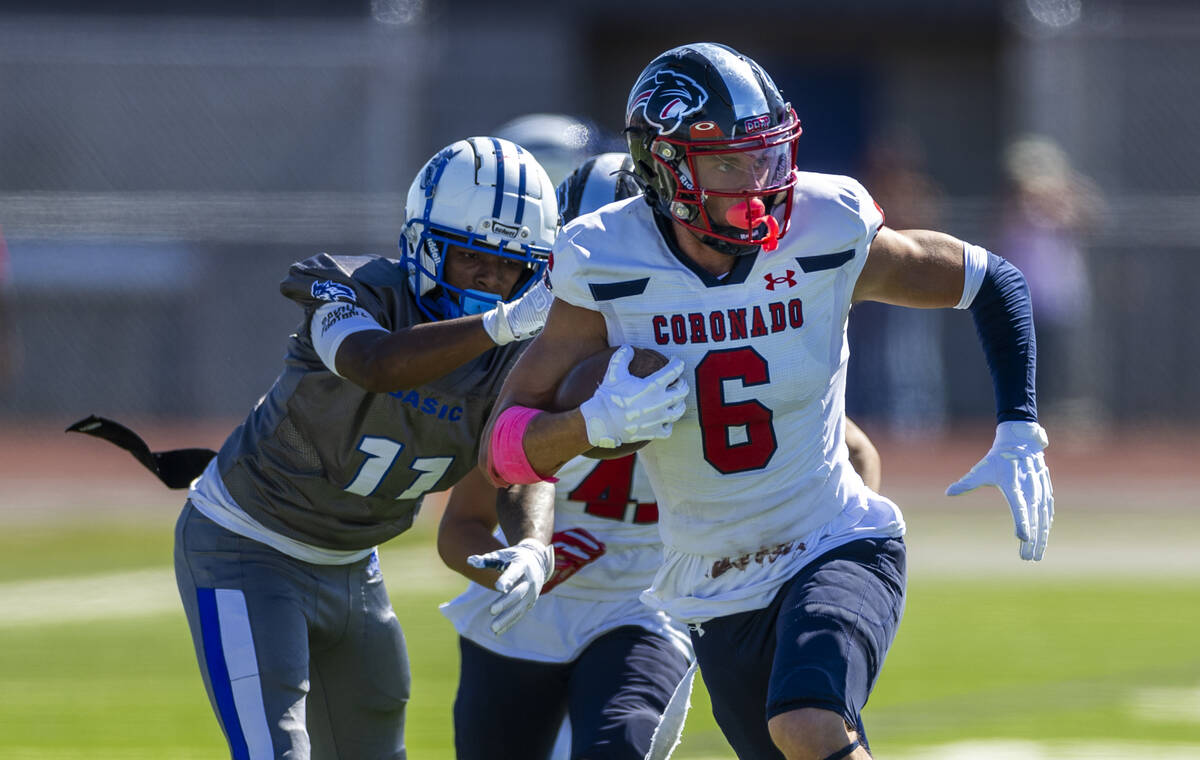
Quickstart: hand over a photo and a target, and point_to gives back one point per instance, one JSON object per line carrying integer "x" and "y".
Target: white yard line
{"x": 1167, "y": 705}
{"x": 1051, "y": 750}
{"x": 143, "y": 593}
{"x": 74, "y": 599}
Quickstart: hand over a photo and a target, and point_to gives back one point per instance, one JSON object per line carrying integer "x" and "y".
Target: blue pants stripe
{"x": 218, "y": 674}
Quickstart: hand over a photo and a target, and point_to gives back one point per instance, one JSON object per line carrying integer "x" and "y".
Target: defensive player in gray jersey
{"x": 385, "y": 388}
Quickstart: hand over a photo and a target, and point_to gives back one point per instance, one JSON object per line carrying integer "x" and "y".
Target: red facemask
{"x": 757, "y": 170}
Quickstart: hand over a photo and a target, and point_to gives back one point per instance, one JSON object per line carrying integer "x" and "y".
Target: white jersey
{"x": 756, "y": 475}
{"x": 612, "y": 500}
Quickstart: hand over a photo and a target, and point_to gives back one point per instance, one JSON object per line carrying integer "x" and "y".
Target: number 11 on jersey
{"x": 381, "y": 455}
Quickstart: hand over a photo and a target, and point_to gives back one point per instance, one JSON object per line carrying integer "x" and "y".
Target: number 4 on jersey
{"x": 606, "y": 491}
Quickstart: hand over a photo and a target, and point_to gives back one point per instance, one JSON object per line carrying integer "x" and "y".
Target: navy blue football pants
{"x": 615, "y": 693}
{"x": 820, "y": 643}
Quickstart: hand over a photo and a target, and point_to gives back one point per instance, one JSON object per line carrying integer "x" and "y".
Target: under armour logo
{"x": 789, "y": 277}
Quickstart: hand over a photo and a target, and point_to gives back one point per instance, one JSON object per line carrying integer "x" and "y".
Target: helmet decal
{"x": 328, "y": 290}
{"x": 705, "y": 130}
{"x": 668, "y": 99}
{"x": 433, "y": 169}
{"x": 757, "y": 124}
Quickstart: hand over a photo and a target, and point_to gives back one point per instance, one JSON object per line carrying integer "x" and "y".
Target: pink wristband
{"x": 506, "y": 450}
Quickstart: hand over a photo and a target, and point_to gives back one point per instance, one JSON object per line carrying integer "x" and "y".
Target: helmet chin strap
{"x": 477, "y": 301}
{"x": 467, "y": 303}
{"x": 726, "y": 247}
{"x": 742, "y": 217}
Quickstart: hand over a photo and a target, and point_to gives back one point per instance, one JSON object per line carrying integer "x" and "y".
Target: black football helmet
{"x": 703, "y": 122}
{"x": 600, "y": 180}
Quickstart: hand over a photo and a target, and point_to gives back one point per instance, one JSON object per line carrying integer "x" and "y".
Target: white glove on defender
{"x": 1016, "y": 466}
{"x": 524, "y": 569}
{"x": 625, "y": 409}
{"x": 519, "y": 319}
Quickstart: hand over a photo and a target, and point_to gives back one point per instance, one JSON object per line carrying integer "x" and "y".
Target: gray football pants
{"x": 300, "y": 661}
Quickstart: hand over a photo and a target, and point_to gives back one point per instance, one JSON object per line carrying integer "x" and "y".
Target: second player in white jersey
{"x": 590, "y": 654}
{"x": 606, "y": 542}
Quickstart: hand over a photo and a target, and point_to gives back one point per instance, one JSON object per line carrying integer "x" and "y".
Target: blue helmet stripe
{"x": 499, "y": 179}
{"x": 521, "y": 187}
{"x": 433, "y": 183}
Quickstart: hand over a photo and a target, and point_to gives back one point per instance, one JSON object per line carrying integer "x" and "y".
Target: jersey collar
{"x": 737, "y": 275}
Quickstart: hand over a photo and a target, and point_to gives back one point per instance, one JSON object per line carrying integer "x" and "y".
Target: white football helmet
{"x": 559, "y": 142}
{"x": 486, "y": 194}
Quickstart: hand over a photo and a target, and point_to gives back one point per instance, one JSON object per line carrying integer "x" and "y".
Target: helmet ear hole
{"x": 665, "y": 151}
{"x": 683, "y": 211}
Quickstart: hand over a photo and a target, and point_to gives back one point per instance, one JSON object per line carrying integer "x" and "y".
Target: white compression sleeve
{"x": 330, "y": 325}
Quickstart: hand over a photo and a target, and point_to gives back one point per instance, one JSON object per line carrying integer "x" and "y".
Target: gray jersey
{"x": 324, "y": 461}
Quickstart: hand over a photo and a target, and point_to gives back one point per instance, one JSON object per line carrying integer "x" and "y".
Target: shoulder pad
{"x": 359, "y": 280}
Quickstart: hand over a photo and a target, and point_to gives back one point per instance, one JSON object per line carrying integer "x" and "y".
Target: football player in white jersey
{"x": 591, "y": 650}
{"x": 743, "y": 269}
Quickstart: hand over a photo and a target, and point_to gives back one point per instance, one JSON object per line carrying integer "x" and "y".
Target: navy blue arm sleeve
{"x": 1004, "y": 321}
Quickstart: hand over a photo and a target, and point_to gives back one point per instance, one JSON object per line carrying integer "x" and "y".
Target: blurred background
{"x": 162, "y": 163}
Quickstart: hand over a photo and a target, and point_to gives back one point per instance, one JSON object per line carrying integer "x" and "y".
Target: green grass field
{"x": 95, "y": 660}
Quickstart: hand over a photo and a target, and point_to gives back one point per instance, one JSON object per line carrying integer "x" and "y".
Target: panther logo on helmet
{"x": 668, "y": 99}
{"x": 433, "y": 169}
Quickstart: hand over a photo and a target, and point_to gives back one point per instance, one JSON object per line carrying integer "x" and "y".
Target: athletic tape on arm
{"x": 506, "y": 450}
{"x": 334, "y": 322}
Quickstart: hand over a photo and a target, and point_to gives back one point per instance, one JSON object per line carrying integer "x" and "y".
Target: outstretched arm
{"x": 383, "y": 361}
{"x": 358, "y": 348}
{"x": 928, "y": 269}
{"x": 466, "y": 544}
{"x": 467, "y": 525}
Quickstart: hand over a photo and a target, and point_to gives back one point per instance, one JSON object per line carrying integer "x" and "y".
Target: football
{"x": 583, "y": 379}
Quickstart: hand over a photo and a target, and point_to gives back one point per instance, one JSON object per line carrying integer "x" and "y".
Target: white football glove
{"x": 625, "y": 409}
{"x": 524, "y": 569}
{"x": 519, "y": 319}
{"x": 1016, "y": 466}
